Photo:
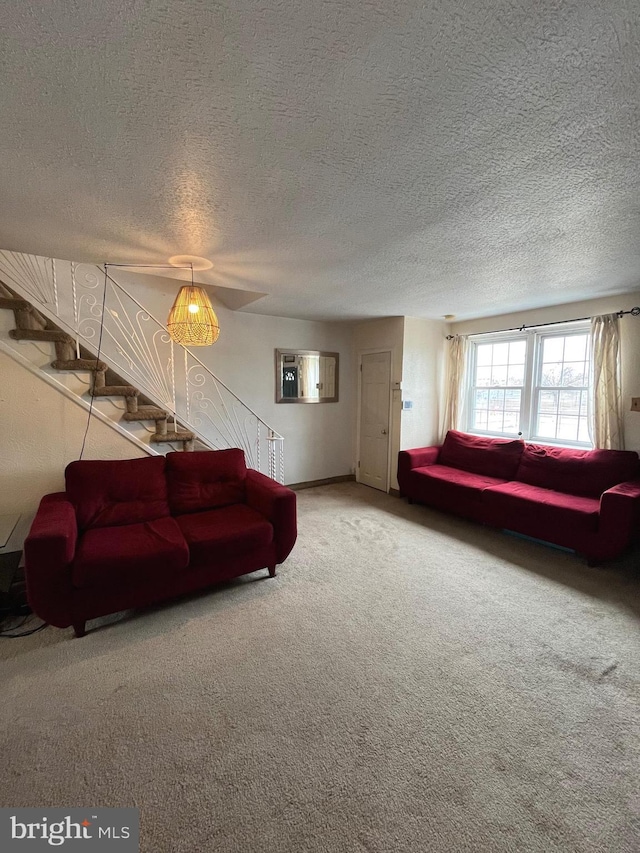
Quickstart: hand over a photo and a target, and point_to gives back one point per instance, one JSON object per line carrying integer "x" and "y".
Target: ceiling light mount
{"x": 190, "y": 261}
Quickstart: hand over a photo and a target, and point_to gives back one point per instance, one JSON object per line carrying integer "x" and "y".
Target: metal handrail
{"x": 142, "y": 307}
{"x": 42, "y": 282}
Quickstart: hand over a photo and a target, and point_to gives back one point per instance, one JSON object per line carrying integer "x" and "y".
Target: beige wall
{"x": 630, "y": 342}
{"x": 422, "y": 359}
{"x": 42, "y": 432}
{"x": 318, "y": 437}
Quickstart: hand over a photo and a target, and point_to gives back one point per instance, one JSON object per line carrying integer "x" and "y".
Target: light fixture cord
{"x": 104, "y": 299}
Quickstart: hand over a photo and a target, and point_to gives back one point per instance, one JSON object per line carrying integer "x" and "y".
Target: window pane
{"x": 496, "y": 406}
{"x": 495, "y": 420}
{"x": 517, "y": 352}
{"x": 568, "y": 428}
{"x": 501, "y": 353}
{"x": 547, "y": 426}
{"x": 484, "y": 354}
{"x": 552, "y": 349}
{"x": 548, "y": 402}
{"x": 483, "y": 376}
{"x": 574, "y": 373}
{"x": 480, "y": 419}
{"x": 570, "y": 403}
{"x": 551, "y": 374}
{"x": 499, "y": 375}
{"x": 515, "y": 375}
{"x": 482, "y": 399}
{"x": 575, "y": 347}
{"x": 583, "y": 430}
{"x": 584, "y": 403}
{"x": 511, "y": 421}
{"x": 496, "y": 398}
{"x": 512, "y": 400}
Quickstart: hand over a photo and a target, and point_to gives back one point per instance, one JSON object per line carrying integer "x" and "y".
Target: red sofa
{"x": 129, "y": 533}
{"x": 586, "y": 500}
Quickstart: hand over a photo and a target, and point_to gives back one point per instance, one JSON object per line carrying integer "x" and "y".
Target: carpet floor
{"x": 409, "y": 682}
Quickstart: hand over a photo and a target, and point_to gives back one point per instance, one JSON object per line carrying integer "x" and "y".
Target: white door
{"x": 374, "y": 420}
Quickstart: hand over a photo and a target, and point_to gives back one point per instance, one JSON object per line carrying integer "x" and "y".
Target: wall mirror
{"x": 306, "y": 376}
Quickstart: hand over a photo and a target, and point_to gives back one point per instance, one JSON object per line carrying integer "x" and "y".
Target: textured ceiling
{"x": 350, "y": 158}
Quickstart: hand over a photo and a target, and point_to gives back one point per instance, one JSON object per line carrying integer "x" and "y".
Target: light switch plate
{"x": 635, "y": 404}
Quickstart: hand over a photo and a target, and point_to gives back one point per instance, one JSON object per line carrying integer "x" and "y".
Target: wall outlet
{"x": 635, "y": 404}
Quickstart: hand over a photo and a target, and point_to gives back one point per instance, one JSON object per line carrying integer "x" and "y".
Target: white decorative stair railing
{"x": 103, "y": 316}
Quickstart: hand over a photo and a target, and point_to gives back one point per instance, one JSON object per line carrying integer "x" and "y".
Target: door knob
{"x": 384, "y": 432}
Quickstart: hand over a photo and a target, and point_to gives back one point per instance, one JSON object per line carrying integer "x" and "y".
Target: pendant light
{"x": 192, "y": 321}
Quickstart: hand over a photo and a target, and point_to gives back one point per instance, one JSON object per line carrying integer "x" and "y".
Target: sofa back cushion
{"x": 491, "y": 457}
{"x": 123, "y": 491}
{"x": 577, "y": 472}
{"x": 205, "y": 480}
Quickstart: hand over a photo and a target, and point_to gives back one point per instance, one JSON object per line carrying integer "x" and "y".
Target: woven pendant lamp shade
{"x": 192, "y": 321}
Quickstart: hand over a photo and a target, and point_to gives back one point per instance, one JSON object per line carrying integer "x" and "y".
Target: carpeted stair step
{"x": 78, "y": 364}
{"x": 27, "y": 317}
{"x": 14, "y": 303}
{"x": 146, "y": 413}
{"x": 32, "y": 326}
{"x": 55, "y": 335}
{"x": 181, "y": 435}
{"x": 115, "y": 391}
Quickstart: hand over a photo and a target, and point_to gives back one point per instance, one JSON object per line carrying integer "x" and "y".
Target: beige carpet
{"x": 409, "y": 682}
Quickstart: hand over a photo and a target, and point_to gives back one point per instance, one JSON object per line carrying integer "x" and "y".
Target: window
{"x": 534, "y": 384}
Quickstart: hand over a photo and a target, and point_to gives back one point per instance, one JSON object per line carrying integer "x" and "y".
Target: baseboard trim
{"x": 395, "y": 492}
{"x": 328, "y": 481}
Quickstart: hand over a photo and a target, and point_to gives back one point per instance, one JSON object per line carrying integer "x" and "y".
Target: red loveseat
{"x": 130, "y": 533}
{"x": 586, "y": 500}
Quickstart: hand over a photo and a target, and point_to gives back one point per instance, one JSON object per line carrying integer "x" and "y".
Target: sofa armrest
{"x": 278, "y": 504}
{"x": 49, "y": 550}
{"x": 621, "y": 505}
{"x": 620, "y": 510}
{"x": 418, "y": 457}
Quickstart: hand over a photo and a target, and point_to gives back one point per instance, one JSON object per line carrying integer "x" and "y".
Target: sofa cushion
{"x": 126, "y": 491}
{"x": 490, "y": 457}
{"x": 579, "y": 472}
{"x": 129, "y": 554}
{"x": 464, "y": 480}
{"x": 450, "y": 489}
{"x": 544, "y": 513}
{"x": 205, "y": 480}
{"x": 222, "y": 533}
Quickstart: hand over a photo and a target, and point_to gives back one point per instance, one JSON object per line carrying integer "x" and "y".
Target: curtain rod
{"x": 633, "y": 311}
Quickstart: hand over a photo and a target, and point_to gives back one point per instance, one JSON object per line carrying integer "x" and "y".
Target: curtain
{"x": 606, "y": 400}
{"x": 455, "y": 383}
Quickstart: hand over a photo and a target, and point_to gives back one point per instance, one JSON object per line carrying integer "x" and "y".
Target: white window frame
{"x": 494, "y": 338}
{"x": 530, "y": 391}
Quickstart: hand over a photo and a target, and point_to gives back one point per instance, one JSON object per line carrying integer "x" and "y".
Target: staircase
{"x": 156, "y": 393}
{"x": 30, "y": 325}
